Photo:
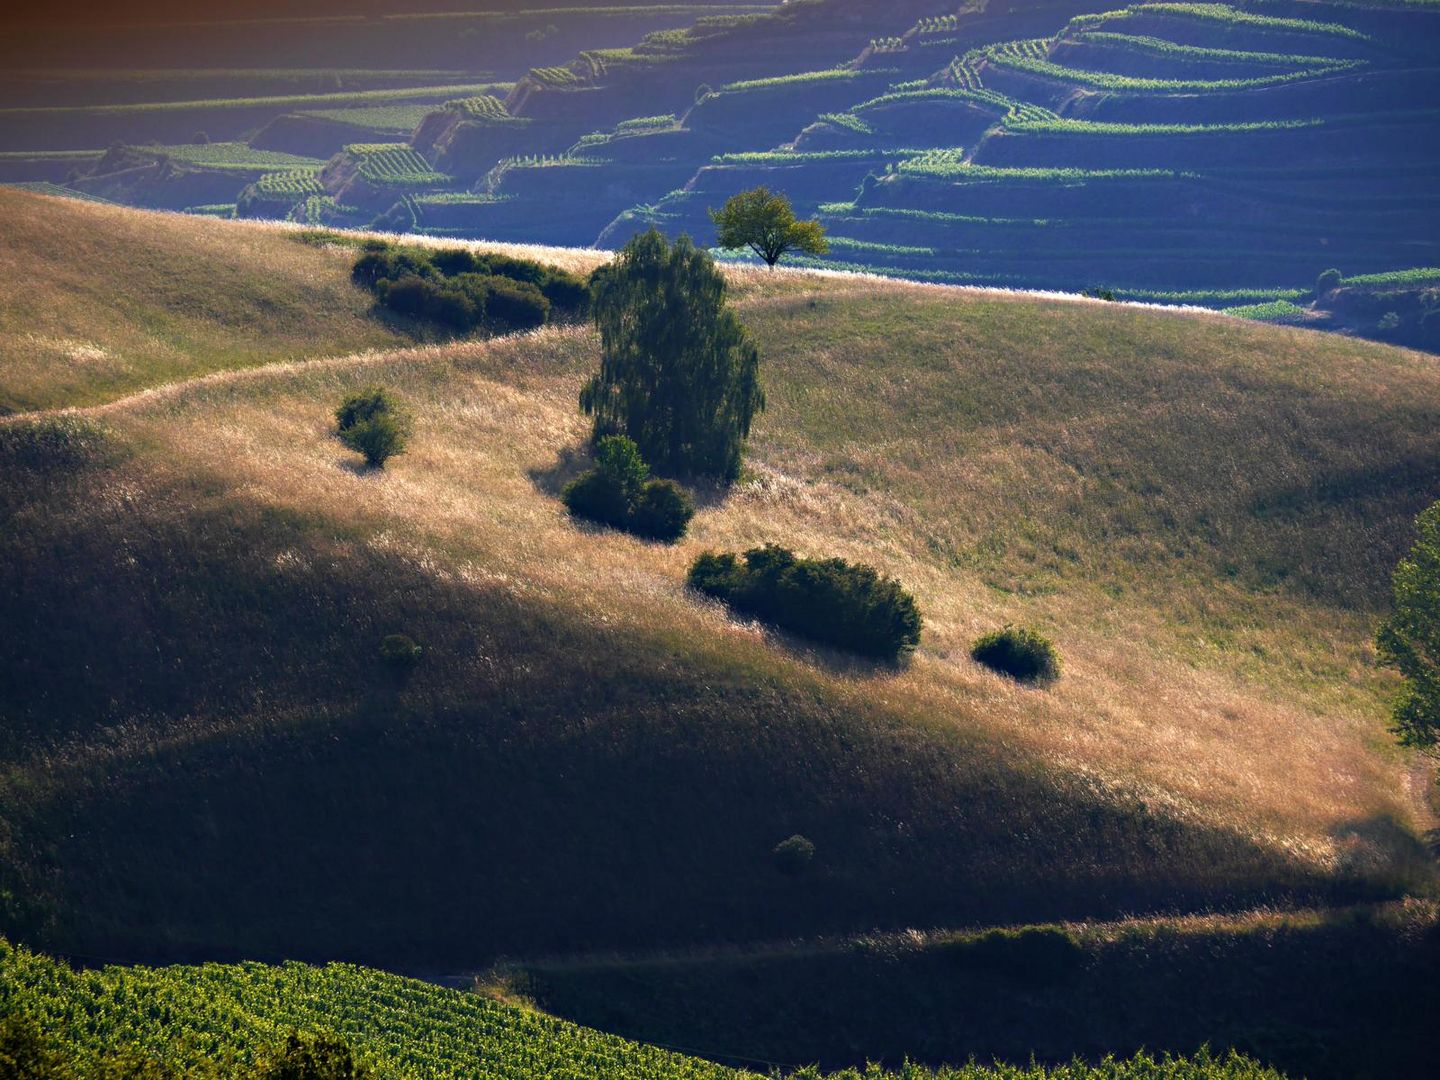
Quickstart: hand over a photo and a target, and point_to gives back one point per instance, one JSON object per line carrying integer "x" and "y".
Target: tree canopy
{"x": 1410, "y": 639}
{"x": 767, "y": 225}
{"x": 678, "y": 373}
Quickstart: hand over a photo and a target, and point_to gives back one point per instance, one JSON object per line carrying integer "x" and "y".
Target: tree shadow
{"x": 1379, "y": 846}
{"x": 569, "y": 463}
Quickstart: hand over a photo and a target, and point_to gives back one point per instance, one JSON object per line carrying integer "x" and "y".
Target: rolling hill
{"x": 1203, "y": 153}
{"x": 205, "y": 759}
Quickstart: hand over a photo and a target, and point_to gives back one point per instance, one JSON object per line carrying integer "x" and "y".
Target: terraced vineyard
{"x": 393, "y": 164}
{"x": 1139, "y": 150}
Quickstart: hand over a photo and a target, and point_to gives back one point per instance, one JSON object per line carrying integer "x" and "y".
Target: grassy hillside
{"x": 230, "y": 1015}
{"x": 105, "y": 302}
{"x": 200, "y": 742}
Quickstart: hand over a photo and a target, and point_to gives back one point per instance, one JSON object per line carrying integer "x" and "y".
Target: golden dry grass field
{"x": 1201, "y": 512}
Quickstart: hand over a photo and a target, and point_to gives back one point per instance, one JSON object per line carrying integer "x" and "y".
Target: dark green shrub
{"x": 1329, "y": 280}
{"x": 515, "y": 305}
{"x": 596, "y": 496}
{"x": 377, "y": 439}
{"x": 464, "y": 289}
{"x": 373, "y": 423}
{"x": 406, "y": 296}
{"x": 452, "y": 261}
{"x": 618, "y": 492}
{"x": 828, "y": 600}
{"x": 793, "y": 856}
{"x": 662, "y": 512}
{"x": 567, "y": 293}
{"x": 507, "y": 266}
{"x": 1025, "y": 655}
{"x": 400, "y": 652}
{"x": 365, "y": 405}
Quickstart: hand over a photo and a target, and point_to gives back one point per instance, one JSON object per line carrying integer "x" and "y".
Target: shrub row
{"x": 829, "y": 600}
{"x": 465, "y": 290}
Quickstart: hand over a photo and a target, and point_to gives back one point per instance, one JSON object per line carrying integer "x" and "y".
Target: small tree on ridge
{"x": 767, "y": 225}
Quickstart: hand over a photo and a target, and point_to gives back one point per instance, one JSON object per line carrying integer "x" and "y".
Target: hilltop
{"x": 1203, "y": 153}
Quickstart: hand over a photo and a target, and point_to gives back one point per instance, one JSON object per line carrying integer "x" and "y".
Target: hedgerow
{"x": 464, "y": 290}
{"x": 832, "y": 601}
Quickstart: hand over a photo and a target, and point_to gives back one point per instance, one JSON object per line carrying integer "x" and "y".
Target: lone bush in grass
{"x": 767, "y": 225}
{"x": 828, "y": 600}
{"x": 620, "y": 493}
{"x": 678, "y": 373}
{"x": 1024, "y": 655}
{"x": 374, "y": 424}
{"x": 1409, "y": 640}
{"x": 400, "y": 653}
{"x": 1327, "y": 281}
{"x": 794, "y": 856}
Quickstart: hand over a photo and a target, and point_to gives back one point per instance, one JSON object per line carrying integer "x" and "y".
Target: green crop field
{"x": 394, "y": 164}
{"x": 235, "y": 155}
{"x": 1161, "y": 47}
{"x": 377, "y": 117}
{"x": 356, "y": 99}
{"x": 290, "y": 183}
{"x": 192, "y": 1018}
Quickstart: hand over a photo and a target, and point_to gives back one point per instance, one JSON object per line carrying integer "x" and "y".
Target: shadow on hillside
{"x": 1370, "y": 844}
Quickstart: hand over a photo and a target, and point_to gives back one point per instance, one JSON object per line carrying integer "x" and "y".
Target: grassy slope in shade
{"x": 1343, "y": 994}
{"x": 408, "y": 1030}
{"x": 1202, "y": 513}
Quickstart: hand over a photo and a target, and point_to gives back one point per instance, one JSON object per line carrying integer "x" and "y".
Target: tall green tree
{"x": 678, "y": 373}
{"x": 767, "y": 225}
{"x": 1410, "y": 639}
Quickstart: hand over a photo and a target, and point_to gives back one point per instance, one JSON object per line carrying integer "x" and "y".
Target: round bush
{"x": 379, "y": 439}
{"x": 373, "y": 423}
{"x": 794, "y": 856}
{"x": 598, "y": 496}
{"x": 1327, "y": 281}
{"x": 1024, "y": 655}
{"x": 400, "y": 652}
{"x": 662, "y": 512}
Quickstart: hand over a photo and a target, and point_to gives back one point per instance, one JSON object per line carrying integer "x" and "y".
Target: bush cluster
{"x": 1024, "y": 655}
{"x": 465, "y": 290}
{"x": 373, "y": 423}
{"x": 619, "y": 492}
{"x": 829, "y": 600}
